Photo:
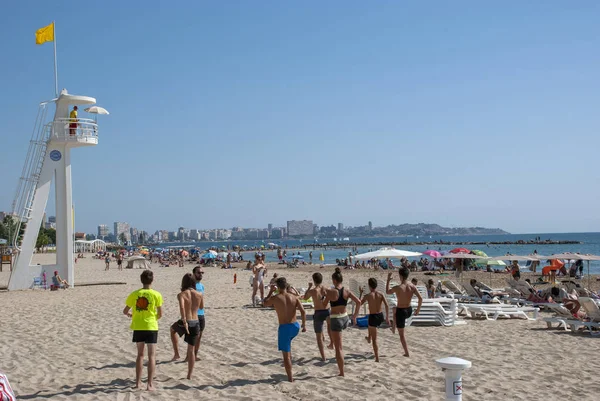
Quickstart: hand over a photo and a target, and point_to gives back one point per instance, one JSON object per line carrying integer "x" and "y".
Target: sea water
{"x": 590, "y": 244}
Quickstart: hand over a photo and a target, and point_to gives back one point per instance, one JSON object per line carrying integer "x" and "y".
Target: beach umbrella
{"x": 577, "y": 256}
{"x": 460, "y": 250}
{"x": 96, "y": 110}
{"x": 213, "y": 252}
{"x": 479, "y": 253}
{"x": 209, "y": 255}
{"x": 463, "y": 256}
{"x": 432, "y": 253}
{"x": 387, "y": 253}
{"x": 515, "y": 257}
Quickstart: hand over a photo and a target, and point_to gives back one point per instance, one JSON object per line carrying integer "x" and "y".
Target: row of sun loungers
{"x": 434, "y": 311}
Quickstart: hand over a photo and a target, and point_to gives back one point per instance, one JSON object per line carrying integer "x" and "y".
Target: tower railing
{"x": 66, "y": 129}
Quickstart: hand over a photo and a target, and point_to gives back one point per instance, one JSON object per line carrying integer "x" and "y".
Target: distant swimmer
{"x": 285, "y": 305}
{"x": 338, "y": 297}
{"x": 319, "y": 295}
{"x": 404, "y": 293}
{"x": 376, "y": 300}
{"x": 190, "y": 301}
{"x": 144, "y": 307}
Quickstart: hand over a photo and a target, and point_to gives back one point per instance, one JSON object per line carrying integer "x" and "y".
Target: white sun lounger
{"x": 437, "y": 311}
{"x": 457, "y": 293}
{"x": 561, "y": 316}
{"x": 494, "y": 311}
{"x": 593, "y": 312}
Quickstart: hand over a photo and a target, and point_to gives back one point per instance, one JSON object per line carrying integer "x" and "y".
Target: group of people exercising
{"x": 330, "y": 307}
{"x": 144, "y": 307}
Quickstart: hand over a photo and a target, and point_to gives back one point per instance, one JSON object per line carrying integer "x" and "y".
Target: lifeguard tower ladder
{"x": 49, "y": 157}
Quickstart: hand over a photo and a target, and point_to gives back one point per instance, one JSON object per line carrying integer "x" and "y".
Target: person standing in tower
{"x": 73, "y": 121}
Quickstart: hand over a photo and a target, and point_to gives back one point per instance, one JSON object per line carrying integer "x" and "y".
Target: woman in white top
{"x": 259, "y": 270}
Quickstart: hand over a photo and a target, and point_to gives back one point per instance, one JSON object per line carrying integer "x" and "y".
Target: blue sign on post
{"x": 55, "y": 155}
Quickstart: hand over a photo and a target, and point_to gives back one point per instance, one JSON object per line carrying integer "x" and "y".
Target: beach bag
{"x": 6, "y": 392}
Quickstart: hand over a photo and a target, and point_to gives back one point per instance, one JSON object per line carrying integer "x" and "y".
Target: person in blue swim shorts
{"x": 285, "y": 305}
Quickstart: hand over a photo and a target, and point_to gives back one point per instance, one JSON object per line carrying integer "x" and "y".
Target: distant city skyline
{"x": 480, "y": 114}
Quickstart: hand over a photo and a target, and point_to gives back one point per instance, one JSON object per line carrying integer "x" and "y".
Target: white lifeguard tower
{"x": 49, "y": 157}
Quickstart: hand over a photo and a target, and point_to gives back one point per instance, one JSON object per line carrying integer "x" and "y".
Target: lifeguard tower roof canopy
{"x": 75, "y": 99}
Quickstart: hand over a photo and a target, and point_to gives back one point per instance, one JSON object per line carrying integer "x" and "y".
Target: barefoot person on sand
{"x": 404, "y": 293}
{"x": 144, "y": 306}
{"x": 375, "y": 299}
{"x": 319, "y": 295}
{"x": 190, "y": 301}
{"x": 259, "y": 270}
{"x": 338, "y": 297}
{"x": 177, "y": 328}
{"x": 285, "y": 305}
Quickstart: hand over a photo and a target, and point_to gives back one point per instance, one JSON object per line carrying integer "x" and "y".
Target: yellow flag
{"x": 45, "y": 34}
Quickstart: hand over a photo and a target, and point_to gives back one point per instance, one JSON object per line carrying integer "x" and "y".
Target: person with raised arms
{"x": 404, "y": 293}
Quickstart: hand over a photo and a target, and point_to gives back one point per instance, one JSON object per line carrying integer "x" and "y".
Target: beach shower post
{"x": 453, "y": 368}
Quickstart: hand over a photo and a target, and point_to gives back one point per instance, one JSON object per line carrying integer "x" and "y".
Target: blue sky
{"x": 248, "y": 113}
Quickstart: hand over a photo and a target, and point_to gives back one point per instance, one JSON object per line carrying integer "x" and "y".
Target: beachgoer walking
{"x": 107, "y": 261}
{"x": 259, "y": 270}
{"x": 514, "y": 270}
{"x": 404, "y": 293}
{"x": 144, "y": 306}
{"x": 73, "y": 121}
{"x": 285, "y": 305}
{"x": 375, "y": 299}
{"x": 190, "y": 302}
{"x": 318, "y": 293}
{"x": 120, "y": 261}
{"x": 338, "y": 298}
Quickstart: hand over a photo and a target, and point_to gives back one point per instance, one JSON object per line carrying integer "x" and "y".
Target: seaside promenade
{"x": 76, "y": 344}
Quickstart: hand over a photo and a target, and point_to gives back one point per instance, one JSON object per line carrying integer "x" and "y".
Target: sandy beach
{"x": 76, "y": 344}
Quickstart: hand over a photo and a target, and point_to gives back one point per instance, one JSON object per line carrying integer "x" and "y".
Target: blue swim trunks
{"x": 286, "y": 334}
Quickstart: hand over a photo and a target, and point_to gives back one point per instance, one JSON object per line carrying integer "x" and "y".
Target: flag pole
{"x": 55, "y": 69}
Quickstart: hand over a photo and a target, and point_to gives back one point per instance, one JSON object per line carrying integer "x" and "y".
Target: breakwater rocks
{"x": 435, "y": 243}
